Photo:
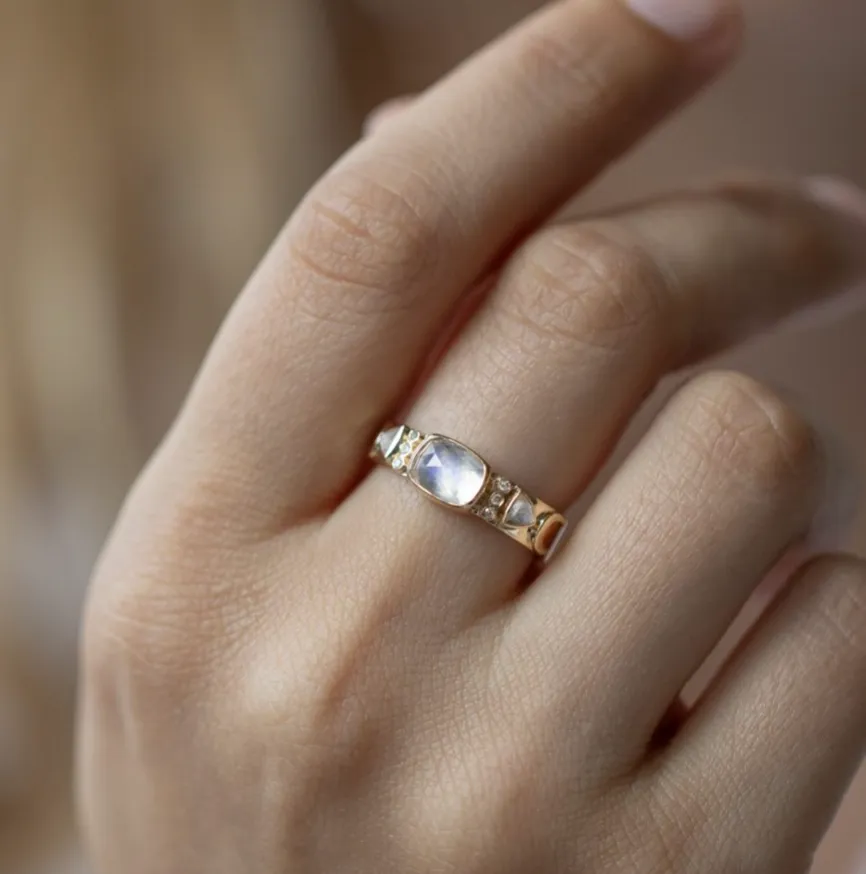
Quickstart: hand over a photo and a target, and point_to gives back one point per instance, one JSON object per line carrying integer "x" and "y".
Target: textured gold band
{"x": 455, "y": 476}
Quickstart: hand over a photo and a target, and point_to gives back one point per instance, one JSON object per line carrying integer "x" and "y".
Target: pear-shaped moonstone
{"x": 520, "y": 512}
{"x": 387, "y": 441}
{"x": 451, "y": 473}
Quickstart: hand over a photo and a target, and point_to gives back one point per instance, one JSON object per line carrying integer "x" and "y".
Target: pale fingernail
{"x": 690, "y": 20}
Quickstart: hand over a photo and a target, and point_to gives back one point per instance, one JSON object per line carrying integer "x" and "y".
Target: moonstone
{"x": 387, "y": 441}
{"x": 520, "y": 512}
{"x": 451, "y": 473}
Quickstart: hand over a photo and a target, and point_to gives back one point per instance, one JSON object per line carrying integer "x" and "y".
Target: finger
{"x": 338, "y": 319}
{"x": 586, "y": 320}
{"x": 724, "y": 481}
{"x": 385, "y": 112}
{"x": 767, "y": 756}
{"x": 590, "y": 315}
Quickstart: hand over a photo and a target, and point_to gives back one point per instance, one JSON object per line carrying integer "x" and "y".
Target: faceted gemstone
{"x": 387, "y": 441}
{"x": 520, "y": 512}
{"x": 450, "y": 472}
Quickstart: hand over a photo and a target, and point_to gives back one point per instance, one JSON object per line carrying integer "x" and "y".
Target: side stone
{"x": 388, "y": 440}
{"x": 521, "y": 512}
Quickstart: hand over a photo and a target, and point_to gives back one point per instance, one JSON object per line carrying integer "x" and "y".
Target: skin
{"x": 293, "y": 664}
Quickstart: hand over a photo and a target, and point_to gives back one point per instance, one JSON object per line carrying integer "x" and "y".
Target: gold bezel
{"x": 434, "y": 438}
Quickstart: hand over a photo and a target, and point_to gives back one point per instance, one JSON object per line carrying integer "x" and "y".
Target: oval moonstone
{"x": 451, "y": 473}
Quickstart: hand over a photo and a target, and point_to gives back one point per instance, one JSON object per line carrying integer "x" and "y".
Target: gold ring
{"x": 456, "y": 477}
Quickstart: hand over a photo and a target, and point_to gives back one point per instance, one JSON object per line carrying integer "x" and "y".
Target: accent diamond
{"x": 520, "y": 512}
{"x": 449, "y": 472}
{"x": 502, "y": 485}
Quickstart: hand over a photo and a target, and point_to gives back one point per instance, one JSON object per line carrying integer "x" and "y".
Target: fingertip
{"x": 713, "y": 29}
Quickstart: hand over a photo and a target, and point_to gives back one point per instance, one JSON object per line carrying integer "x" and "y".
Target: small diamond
{"x": 503, "y": 485}
{"x": 412, "y": 436}
{"x": 497, "y": 500}
{"x": 398, "y": 463}
{"x": 488, "y": 514}
{"x": 405, "y": 448}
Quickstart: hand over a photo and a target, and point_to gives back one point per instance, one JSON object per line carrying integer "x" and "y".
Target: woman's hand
{"x": 293, "y": 666}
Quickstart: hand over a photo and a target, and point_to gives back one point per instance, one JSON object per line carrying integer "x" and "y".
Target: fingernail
{"x": 690, "y": 20}
{"x": 840, "y": 195}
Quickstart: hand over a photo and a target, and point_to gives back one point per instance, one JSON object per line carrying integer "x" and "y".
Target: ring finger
{"x": 587, "y": 317}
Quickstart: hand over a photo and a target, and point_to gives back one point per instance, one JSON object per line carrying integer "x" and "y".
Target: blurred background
{"x": 149, "y": 151}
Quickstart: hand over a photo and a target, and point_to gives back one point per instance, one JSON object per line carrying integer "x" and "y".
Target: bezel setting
{"x": 451, "y": 474}
{"x": 462, "y": 484}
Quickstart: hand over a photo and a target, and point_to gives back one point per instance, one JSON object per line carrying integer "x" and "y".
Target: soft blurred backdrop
{"x": 148, "y": 153}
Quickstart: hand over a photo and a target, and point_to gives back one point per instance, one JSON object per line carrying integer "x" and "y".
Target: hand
{"x": 293, "y": 664}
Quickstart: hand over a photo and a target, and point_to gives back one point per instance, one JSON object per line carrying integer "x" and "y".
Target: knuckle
{"x": 507, "y": 805}
{"x": 361, "y": 240}
{"x": 740, "y": 423}
{"x": 131, "y": 636}
{"x": 123, "y": 673}
{"x": 586, "y": 287}
{"x": 673, "y": 822}
{"x": 165, "y": 609}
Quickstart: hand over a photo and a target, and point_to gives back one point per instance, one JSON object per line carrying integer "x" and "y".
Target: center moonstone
{"x": 451, "y": 473}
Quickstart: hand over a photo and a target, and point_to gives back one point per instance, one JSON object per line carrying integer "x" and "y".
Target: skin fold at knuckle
{"x": 760, "y": 442}
{"x": 674, "y": 821}
{"x": 164, "y": 612}
{"x": 580, "y": 288}
{"x": 136, "y": 667}
{"x": 363, "y": 240}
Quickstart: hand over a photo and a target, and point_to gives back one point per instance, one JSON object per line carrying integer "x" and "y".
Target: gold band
{"x": 456, "y": 477}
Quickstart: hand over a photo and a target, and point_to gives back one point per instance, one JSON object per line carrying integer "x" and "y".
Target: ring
{"x": 454, "y": 476}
